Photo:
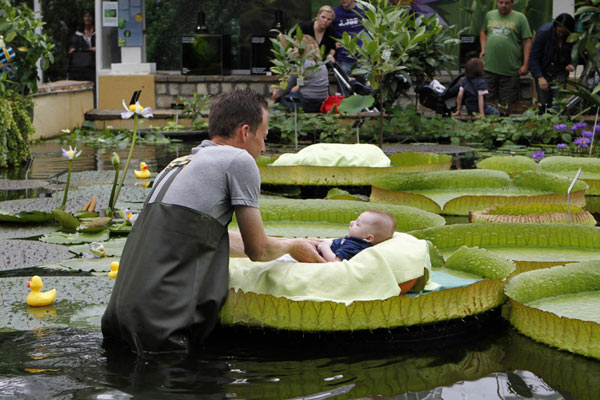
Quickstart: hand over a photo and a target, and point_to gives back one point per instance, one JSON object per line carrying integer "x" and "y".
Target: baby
{"x": 371, "y": 227}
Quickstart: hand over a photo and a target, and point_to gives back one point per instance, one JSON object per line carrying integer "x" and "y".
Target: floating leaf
{"x": 65, "y": 219}
{"x": 25, "y": 216}
{"x": 559, "y": 306}
{"x": 20, "y": 254}
{"x": 533, "y": 214}
{"x": 101, "y": 264}
{"x": 512, "y": 165}
{"x": 74, "y": 238}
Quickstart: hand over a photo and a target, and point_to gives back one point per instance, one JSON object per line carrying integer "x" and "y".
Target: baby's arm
{"x": 481, "y": 104}
{"x": 325, "y": 249}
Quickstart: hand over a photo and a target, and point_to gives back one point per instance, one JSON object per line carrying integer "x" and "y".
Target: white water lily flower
{"x": 97, "y": 249}
{"x": 128, "y": 216}
{"x": 71, "y": 153}
{"x": 136, "y": 109}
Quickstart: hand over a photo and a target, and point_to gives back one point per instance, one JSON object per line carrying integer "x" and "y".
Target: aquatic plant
{"x": 134, "y": 110}
{"x": 69, "y": 155}
{"x": 558, "y": 306}
{"x": 116, "y": 162}
{"x": 534, "y": 214}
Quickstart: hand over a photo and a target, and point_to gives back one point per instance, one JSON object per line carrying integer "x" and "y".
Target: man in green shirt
{"x": 505, "y": 46}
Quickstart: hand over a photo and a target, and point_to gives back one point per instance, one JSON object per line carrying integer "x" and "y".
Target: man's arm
{"x": 482, "y": 41}
{"x": 526, "y": 51}
{"x": 254, "y": 242}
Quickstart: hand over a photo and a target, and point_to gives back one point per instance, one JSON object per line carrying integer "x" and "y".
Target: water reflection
{"x": 67, "y": 362}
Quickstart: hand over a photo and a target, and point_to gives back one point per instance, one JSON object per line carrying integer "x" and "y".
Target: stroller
{"x": 438, "y": 98}
{"x": 395, "y": 81}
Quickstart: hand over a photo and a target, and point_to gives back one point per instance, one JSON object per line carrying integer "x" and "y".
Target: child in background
{"x": 473, "y": 89}
{"x": 371, "y": 227}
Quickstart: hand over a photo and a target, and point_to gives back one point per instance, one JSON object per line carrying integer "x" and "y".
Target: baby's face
{"x": 362, "y": 226}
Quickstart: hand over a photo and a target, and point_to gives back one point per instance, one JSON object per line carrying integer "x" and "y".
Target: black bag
{"x": 82, "y": 59}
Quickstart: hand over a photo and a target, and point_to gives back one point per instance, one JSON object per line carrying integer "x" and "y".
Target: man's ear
{"x": 243, "y": 132}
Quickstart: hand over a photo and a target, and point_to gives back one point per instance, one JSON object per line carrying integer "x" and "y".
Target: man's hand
{"x": 524, "y": 69}
{"x": 543, "y": 83}
{"x": 305, "y": 250}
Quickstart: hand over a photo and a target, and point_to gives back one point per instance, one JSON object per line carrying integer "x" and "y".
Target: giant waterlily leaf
{"x": 19, "y": 254}
{"x": 75, "y": 238}
{"x": 559, "y": 306}
{"x": 461, "y": 191}
{"x": 568, "y": 167}
{"x": 342, "y": 212}
{"x": 480, "y": 262}
{"x": 352, "y": 176}
{"x": 531, "y": 246}
{"x": 89, "y": 264}
{"x": 592, "y": 204}
{"x": 534, "y": 214}
{"x": 260, "y": 310}
{"x": 512, "y": 165}
{"x": 80, "y": 303}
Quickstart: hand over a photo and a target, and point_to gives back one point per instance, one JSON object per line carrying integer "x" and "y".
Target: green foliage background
{"x": 15, "y": 128}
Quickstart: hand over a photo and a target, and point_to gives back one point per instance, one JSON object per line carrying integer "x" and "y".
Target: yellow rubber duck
{"x": 143, "y": 173}
{"x": 114, "y": 269}
{"x": 36, "y": 298}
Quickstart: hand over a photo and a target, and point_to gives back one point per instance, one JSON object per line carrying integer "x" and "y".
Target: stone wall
{"x": 169, "y": 87}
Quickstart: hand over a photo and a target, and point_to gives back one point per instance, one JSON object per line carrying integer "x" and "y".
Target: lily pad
{"x": 25, "y": 216}
{"x": 66, "y": 220}
{"x": 339, "y": 194}
{"x": 85, "y": 178}
{"x": 75, "y": 238}
{"x": 262, "y": 310}
{"x": 352, "y": 176}
{"x": 21, "y": 231}
{"x": 81, "y": 195}
{"x": 568, "y": 167}
{"x": 112, "y": 247}
{"x": 559, "y": 306}
{"x": 512, "y": 165}
{"x": 89, "y": 264}
{"x": 20, "y": 254}
{"x": 80, "y": 302}
{"x": 342, "y": 212}
{"x": 530, "y": 246}
{"x": 534, "y": 214}
{"x": 458, "y": 192}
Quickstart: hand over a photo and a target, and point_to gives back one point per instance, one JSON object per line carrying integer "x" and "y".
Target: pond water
{"x": 475, "y": 358}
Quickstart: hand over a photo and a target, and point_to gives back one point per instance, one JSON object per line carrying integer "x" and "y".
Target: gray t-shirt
{"x": 218, "y": 178}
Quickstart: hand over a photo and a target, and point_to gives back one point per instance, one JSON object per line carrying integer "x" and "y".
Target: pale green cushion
{"x": 372, "y": 274}
{"x": 336, "y": 155}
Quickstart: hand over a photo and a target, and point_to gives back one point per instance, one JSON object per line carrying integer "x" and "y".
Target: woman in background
{"x": 82, "y": 51}
{"x": 321, "y": 30}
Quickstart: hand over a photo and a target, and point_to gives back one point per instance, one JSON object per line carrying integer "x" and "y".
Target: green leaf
{"x": 355, "y": 104}
{"x": 65, "y": 219}
{"x": 74, "y": 238}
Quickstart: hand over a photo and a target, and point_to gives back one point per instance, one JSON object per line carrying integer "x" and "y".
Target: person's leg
{"x": 558, "y": 83}
{"x": 290, "y": 100}
{"x": 544, "y": 97}
{"x": 491, "y": 80}
{"x": 509, "y": 91}
{"x": 489, "y": 110}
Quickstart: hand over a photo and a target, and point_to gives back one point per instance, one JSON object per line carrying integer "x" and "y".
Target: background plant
{"x": 15, "y": 128}
{"x": 194, "y": 109}
{"x": 391, "y": 36}
{"x": 18, "y": 29}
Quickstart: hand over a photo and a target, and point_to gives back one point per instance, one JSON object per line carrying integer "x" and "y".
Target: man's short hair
{"x": 234, "y": 109}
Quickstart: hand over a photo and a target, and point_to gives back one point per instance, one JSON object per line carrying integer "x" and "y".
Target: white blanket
{"x": 372, "y": 274}
{"x": 336, "y": 155}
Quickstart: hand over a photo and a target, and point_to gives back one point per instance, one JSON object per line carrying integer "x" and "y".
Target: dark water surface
{"x": 495, "y": 363}
{"x": 476, "y": 359}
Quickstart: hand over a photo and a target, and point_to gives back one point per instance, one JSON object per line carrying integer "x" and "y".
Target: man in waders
{"x": 174, "y": 270}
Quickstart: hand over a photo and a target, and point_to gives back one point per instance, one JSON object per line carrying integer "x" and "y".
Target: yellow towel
{"x": 336, "y": 155}
{"x": 372, "y": 274}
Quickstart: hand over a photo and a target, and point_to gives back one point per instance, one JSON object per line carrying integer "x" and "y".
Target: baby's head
{"x": 374, "y": 226}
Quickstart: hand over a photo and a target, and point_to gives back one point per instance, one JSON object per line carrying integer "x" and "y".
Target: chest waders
{"x": 173, "y": 276}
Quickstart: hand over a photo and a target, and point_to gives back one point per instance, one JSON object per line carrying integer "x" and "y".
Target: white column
{"x": 37, "y": 11}
{"x": 562, "y": 6}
